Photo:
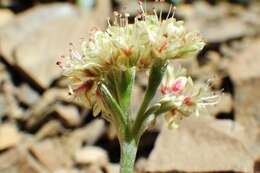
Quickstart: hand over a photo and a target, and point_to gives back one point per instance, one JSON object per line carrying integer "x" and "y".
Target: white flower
{"x": 123, "y": 46}
{"x": 186, "y": 97}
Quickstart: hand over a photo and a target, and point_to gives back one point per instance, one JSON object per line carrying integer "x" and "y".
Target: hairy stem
{"x": 128, "y": 156}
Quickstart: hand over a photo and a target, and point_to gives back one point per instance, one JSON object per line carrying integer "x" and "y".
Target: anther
{"x": 115, "y": 18}
{"x": 173, "y": 11}
{"x": 169, "y": 12}
{"x": 108, "y": 21}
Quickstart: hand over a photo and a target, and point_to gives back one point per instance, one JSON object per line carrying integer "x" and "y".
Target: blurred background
{"x": 42, "y": 130}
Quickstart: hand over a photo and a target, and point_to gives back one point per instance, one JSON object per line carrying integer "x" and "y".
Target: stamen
{"x": 115, "y": 18}
{"x": 121, "y": 20}
{"x": 210, "y": 97}
{"x": 161, "y": 1}
{"x": 169, "y": 12}
{"x": 155, "y": 13}
{"x": 126, "y": 18}
{"x": 173, "y": 11}
{"x": 108, "y": 21}
{"x": 140, "y": 3}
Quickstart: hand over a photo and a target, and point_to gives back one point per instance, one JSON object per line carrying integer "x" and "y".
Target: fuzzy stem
{"x": 128, "y": 156}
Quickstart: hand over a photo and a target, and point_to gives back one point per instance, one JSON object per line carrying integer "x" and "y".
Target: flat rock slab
{"x": 18, "y": 160}
{"x": 91, "y": 155}
{"x": 216, "y": 23}
{"x": 247, "y": 104}
{"x": 35, "y": 39}
{"x": 26, "y": 23}
{"x": 201, "y": 145}
{"x": 245, "y": 63}
{"x": 6, "y": 16}
{"x": 27, "y": 95}
{"x": 9, "y": 136}
{"x": 69, "y": 114}
{"x": 51, "y": 154}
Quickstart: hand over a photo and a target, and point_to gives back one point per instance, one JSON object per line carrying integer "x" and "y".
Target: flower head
{"x": 186, "y": 97}
{"x": 122, "y": 46}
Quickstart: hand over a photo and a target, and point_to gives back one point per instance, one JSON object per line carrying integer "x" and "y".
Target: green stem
{"x": 128, "y": 155}
{"x": 155, "y": 78}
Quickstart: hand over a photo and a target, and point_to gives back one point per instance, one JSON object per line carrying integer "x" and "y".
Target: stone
{"x": 224, "y": 106}
{"x": 88, "y": 134}
{"x": 26, "y": 23}
{"x": 49, "y": 129}
{"x": 246, "y": 101}
{"x": 51, "y": 154}
{"x": 216, "y": 23}
{"x": 67, "y": 171}
{"x": 52, "y": 33}
{"x": 245, "y": 59}
{"x": 27, "y": 95}
{"x": 6, "y": 16}
{"x": 9, "y": 136}
{"x": 12, "y": 108}
{"x": 44, "y": 106}
{"x": 247, "y": 112}
{"x": 113, "y": 168}
{"x": 69, "y": 114}
{"x": 201, "y": 145}
{"x": 91, "y": 155}
{"x": 2, "y": 105}
{"x": 18, "y": 160}
{"x": 93, "y": 169}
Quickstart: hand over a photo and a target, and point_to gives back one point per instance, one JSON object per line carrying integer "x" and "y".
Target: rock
{"x": 9, "y": 136}
{"x": 201, "y": 145}
{"x": 12, "y": 108}
{"x": 247, "y": 107}
{"x": 51, "y": 154}
{"x": 49, "y": 129}
{"x": 113, "y": 168}
{"x": 6, "y": 16}
{"x": 28, "y": 164}
{"x": 2, "y": 105}
{"x": 67, "y": 171}
{"x": 91, "y": 155}
{"x": 69, "y": 114}
{"x": 88, "y": 134}
{"x": 216, "y": 23}
{"x": 26, "y": 23}
{"x": 27, "y": 95}
{"x": 93, "y": 169}
{"x": 224, "y": 106}
{"x": 18, "y": 160}
{"x": 243, "y": 60}
{"x": 45, "y": 105}
{"x": 244, "y": 72}
{"x": 52, "y": 33}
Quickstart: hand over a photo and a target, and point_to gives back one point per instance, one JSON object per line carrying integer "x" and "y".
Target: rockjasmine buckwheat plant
{"x": 102, "y": 75}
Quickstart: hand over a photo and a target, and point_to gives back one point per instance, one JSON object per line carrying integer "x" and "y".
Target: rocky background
{"x": 43, "y": 131}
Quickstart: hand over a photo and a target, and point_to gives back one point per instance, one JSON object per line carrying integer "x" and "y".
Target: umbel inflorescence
{"x": 102, "y": 74}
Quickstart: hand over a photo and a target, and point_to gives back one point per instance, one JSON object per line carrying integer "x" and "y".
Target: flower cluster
{"x": 186, "y": 97}
{"x": 123, "y": 46}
